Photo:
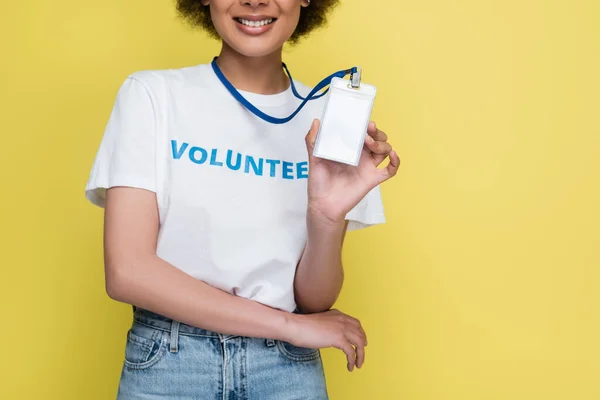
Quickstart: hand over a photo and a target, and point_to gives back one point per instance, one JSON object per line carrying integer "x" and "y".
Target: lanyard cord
{"x": 273, "y": 120}
{"x": 287, "y": 71}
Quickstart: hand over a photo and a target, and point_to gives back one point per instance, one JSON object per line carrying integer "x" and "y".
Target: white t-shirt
{"x": 231, "y": 188}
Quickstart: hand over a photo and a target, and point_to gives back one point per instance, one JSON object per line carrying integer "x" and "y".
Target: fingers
{"x": 357, "y": 339}
{"x": 378, "y": 147}
{"x": 364, "y": 335}
{"x": 391, "y": 169}
{"x": 376, "y": 143}
{"x": 311, "y": 136}
{"x": 375, "y": 133}
{"x": 360, "y": 356}
{"x": 347, "y": 348}
{"x": 353, "y": 342}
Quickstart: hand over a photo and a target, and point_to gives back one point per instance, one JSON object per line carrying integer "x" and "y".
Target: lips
{"x": 254, "y": 25}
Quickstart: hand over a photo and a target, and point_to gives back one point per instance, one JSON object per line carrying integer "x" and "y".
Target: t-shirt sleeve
{"x": 126, "y": 156}
{"x": 368, "y": 212}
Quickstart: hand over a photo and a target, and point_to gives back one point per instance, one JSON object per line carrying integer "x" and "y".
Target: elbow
{"x": 112, "y": 290}
{"x": 115, "y": 283}
{"x": 313, "y": 299}
{"x": 316, "y": 306}
{"x": 314, "y": 309}
{"x": 124, "y": 276}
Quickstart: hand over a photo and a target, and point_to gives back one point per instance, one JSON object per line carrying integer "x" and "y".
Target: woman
{"x": 228, "y": 250}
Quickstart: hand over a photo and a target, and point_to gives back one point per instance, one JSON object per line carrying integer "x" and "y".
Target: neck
{"x": 262, "y": 75}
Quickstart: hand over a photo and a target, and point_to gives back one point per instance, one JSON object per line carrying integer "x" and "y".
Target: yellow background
{"x": 484, "y": 284}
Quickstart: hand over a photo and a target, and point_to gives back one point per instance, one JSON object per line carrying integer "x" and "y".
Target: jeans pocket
{"x": 296, "y": 353}
{"x": 145, "y": 346}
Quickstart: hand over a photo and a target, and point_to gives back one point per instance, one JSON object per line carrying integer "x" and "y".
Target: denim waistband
{"x": 158, "y": 321}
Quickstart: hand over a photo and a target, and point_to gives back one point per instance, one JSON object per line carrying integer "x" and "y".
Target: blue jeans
{"x": 166, "y": 359}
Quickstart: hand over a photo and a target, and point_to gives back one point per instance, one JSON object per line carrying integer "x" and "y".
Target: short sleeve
{"x": 368, "y": 212}
{"x": 126, "y": 156}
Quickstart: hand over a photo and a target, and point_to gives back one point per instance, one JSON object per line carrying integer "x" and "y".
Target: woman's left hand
{"x": 335, "y": 188}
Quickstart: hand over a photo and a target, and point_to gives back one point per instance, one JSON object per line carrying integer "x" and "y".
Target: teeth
{"x": 255, "y": 24}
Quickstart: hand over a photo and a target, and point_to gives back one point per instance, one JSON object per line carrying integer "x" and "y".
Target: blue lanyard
{"x": 273, "y": 120}
{"x": 287, "y": 71}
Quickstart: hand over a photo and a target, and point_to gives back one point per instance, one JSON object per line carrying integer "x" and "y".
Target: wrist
{"x": 288, "y": 330}
{"x": 324, "y": 221}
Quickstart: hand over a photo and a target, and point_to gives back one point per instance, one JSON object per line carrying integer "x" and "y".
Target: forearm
{"x": 153, "y": 284}
{"x": 320, "y": 274}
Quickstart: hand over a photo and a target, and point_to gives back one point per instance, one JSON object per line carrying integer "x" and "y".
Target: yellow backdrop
{"x": 484, "y": 284}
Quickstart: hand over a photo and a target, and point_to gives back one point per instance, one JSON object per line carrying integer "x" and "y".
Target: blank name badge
{"x": 344, "y": 121}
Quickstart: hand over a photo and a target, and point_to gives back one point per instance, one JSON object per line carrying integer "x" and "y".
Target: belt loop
{"x": 174, "y": 340}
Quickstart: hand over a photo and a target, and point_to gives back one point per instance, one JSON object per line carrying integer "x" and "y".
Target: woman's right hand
{"x": 330, "y": 329}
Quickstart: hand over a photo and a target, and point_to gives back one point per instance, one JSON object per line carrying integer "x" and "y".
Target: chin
{"x": 255, "y": 50}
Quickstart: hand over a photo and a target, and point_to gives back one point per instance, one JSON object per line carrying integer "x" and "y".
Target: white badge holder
{"x": 345, "y": 119}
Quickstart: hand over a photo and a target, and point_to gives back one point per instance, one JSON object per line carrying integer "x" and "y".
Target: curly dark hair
{"x": 311, "y": 17}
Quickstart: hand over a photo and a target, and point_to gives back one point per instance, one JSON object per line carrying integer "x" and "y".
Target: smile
{"x": 255, "y": 24}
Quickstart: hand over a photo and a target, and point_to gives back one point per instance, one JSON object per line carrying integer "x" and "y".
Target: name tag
{"x": 344, "y": 122}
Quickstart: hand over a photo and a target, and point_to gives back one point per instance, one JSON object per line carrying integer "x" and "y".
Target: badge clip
{"x": 355, "y": 78}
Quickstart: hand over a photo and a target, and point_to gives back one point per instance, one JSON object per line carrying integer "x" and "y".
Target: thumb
{"x": 311, "y": 136}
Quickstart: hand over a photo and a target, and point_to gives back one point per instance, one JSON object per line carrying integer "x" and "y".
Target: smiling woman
{"x": 198, "y": 14}
{"x": 222, "y": 229}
